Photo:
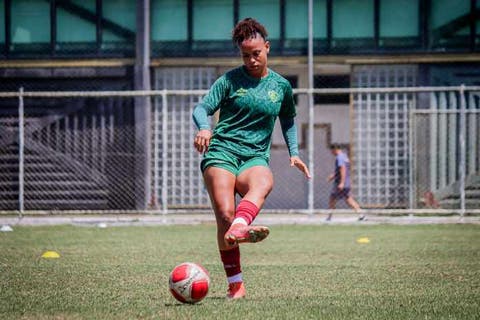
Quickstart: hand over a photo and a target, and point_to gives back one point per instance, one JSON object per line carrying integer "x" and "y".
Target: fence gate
{"x": 380, "y": 135}
{"x": 446, "y": 152}
{"x": 177, "y": 181}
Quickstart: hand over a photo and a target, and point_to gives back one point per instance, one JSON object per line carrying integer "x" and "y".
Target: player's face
{"x": 254, "y": 53}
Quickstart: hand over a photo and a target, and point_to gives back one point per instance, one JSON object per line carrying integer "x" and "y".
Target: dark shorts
{"x": 234, "y": 164}
{"x": 340, "y": 194}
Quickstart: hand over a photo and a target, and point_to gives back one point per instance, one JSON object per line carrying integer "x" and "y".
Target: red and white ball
{"x": 189, "y": 282}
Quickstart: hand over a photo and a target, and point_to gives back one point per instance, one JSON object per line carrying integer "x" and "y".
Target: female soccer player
{"x": 237, "y": 153}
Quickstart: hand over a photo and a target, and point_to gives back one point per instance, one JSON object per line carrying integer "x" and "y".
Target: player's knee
{"x": 225, "y": 215}
{"x": 260, "y": 188}
{"x": 264, "y": 185}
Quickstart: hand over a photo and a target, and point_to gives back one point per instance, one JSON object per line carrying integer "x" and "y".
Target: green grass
{"x": 299, "y": 272}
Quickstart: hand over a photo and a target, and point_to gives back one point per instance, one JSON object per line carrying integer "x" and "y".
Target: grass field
{"x": 299, "y": 272}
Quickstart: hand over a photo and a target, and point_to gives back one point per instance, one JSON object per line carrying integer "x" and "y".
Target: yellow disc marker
{"x": 363, "y": 240}
{"x": 50, "y": 255}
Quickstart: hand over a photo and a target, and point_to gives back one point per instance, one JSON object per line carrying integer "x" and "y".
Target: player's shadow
{"x": 179, "y": 304}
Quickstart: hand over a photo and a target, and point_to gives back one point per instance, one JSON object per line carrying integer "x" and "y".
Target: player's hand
{"x": 340, "y": 186}
{"x": 202, "y": 140}
{"x": 297, "y": 162}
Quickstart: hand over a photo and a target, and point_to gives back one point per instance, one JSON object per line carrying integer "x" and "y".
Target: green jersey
{"x": 248, "y": 110}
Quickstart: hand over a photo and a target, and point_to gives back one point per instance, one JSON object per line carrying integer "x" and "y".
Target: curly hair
{"x": 248, "y": 28}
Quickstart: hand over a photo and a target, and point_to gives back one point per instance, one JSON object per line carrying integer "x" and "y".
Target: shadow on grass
{"x": 180, "y": 304}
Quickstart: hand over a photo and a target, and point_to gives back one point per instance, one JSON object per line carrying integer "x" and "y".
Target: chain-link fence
{"x": 411, "y": 149}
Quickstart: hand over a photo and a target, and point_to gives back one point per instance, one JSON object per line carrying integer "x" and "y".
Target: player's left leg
{"x": 332, "y": 203}
{"x": 220, "y": 183}
{"x": 231, "y": 263}
{"x": 254, "y": 184}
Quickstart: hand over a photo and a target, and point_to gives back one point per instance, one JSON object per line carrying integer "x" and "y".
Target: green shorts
{"x": 228, "y": 161}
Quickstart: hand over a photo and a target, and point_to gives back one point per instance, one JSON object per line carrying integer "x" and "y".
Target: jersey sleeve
{"x": 287, "y": 120}
{"x": 200, "y": 117}
{"x": 210, "y": 103}
{"x": 288, "y": 104}
{"x": 289, "y": 130}
{"x": 342, "y": 160}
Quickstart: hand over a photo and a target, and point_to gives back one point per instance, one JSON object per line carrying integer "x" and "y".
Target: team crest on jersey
{"x": 273, "y": 95}
{"x": 241, "y": 92}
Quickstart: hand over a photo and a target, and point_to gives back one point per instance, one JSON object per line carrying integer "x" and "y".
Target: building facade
{"x": 117, "y": 144}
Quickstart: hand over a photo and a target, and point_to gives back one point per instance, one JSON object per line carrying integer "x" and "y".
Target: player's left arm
{"x": 289, "y": 130}
{"x": 297, "y": 162}
{"x": 343, "y": 174}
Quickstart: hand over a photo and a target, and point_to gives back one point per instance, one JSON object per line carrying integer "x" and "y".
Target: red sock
{"x": 246, "y": 210}
{"x": 231, "y": 261}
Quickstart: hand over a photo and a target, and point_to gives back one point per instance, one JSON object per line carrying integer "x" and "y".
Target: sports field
{"x": 299, "y": 272}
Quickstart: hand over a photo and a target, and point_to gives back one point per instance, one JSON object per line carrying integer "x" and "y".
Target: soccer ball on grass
{"x": 189, "y": 282}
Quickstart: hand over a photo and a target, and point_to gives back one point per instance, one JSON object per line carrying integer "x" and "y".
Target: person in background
{"x": 236, "y": 154}
{"x": 341, "y": 183}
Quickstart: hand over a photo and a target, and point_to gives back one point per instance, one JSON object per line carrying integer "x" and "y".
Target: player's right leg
{"x": 332, "y": 202}
{"x": 220, "y": 184}
{"x": 355, "y": 206}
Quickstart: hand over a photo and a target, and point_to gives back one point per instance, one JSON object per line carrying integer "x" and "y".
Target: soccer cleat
{"x": 362, "y": 217}
{"x": 239, "y": 233}
{"x": 236, "y": 290}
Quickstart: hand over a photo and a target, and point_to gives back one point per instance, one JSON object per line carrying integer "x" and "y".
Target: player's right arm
{"x": 330, "y": 177}
{"x": 204, "y": 134}
{"x": 207, "y": 107}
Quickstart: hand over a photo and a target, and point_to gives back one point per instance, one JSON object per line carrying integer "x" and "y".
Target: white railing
{"x": 98, "y": 156}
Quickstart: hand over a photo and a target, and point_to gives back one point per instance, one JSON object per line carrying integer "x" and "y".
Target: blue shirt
{"x": 342, "y": 160}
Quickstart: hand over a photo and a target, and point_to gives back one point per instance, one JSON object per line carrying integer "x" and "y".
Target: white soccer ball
{"x": 189, "y": 282}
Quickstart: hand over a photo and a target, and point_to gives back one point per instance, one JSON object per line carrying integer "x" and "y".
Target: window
{"x": 169, "y": 20}
{"x": 399, "y": 25}
{"x": 297, "y": 19}
{"x": 212, "y": 20}
{"x": 267, "y": 12}
{"x": 30, "y": 22}
{"x": 2, "y": 22}
{"x": 332, "y": 81}
{"x": 449, "y": 23}
{"x": 122, "y": 14}
{"x": 353, "y": 25}
{"x": 352, "y": 19}
{"x": 73, "y": 27}
{"x": 398, "y": 18}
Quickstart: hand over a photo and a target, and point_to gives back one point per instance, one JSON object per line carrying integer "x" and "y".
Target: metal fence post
{"x": 164, "y": 151}
{"x": 156, "y": 152}
{"x": 433, "y": 162}
{"x": 462, "y": 150}
{"x": 411, "y": 164}
{"x": 21, "y": 121}
{"x": 311, "y": 112}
